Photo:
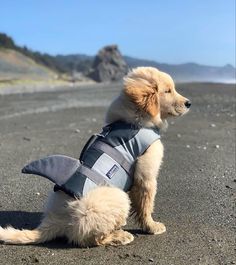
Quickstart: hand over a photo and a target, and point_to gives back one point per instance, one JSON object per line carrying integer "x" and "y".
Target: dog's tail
{"x": 11, "y": 235}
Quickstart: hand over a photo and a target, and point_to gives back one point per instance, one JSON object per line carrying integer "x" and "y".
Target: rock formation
{"x": 108, "y": 65}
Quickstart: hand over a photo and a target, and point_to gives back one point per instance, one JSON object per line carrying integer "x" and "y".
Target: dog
{"x": 147, "y": 100}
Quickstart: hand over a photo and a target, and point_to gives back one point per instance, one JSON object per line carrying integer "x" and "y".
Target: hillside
{"x": 189, "y": 72}
{"x": 15, "y": 65}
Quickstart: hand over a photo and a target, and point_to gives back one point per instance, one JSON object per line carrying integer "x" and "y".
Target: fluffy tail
{"x": 11, "y": 235}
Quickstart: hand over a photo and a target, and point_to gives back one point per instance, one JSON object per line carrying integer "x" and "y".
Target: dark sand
{"x": 197, "y": 183}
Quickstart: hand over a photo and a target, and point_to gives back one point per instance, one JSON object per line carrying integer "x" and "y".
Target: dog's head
{"x": 153, "y": 93}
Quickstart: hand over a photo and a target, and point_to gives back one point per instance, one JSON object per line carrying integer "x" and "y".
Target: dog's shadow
{"x": 20, "y": 219}
{"x": 30, "y": 220}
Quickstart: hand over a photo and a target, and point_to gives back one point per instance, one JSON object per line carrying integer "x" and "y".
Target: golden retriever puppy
{"x": 147, "y": 100}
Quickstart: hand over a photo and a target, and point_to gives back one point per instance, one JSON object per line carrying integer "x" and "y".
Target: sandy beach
{"x": 196, "y": 186}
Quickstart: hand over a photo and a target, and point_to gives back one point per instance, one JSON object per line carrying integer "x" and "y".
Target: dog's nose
{"x": 188, "y": 104}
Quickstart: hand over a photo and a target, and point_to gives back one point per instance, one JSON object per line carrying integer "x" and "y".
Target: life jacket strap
{"x": 114, "y": 154}
{"x": 71, "y": 185}
{"x": 93, "y": 175}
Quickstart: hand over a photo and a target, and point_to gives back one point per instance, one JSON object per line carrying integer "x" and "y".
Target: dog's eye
{"x": 168, "y": 91}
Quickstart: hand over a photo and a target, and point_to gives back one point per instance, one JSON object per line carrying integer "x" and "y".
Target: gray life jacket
{"x": 106, "y": 159}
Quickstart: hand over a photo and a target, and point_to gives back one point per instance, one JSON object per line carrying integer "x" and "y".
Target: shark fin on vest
{"x": 57, "y": 168}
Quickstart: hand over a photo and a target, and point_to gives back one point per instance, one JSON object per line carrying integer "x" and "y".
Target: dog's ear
{"x": 143, "y": 93}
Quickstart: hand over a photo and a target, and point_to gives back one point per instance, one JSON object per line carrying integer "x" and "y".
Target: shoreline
{"x": 32, "y": 86}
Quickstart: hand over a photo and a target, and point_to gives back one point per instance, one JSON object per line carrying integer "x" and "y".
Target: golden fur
{"x": 148, "y": 99}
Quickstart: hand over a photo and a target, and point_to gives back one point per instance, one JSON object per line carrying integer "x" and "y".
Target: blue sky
{"x": 171, "y": 31}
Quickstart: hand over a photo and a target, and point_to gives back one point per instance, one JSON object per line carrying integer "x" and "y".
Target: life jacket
{"x": 108, "y": 158}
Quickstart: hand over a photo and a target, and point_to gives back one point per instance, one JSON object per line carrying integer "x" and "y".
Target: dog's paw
{"x": 127, "y": 238}
{"x": 116, "y": 238}
{"x": 156, "y": 228}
